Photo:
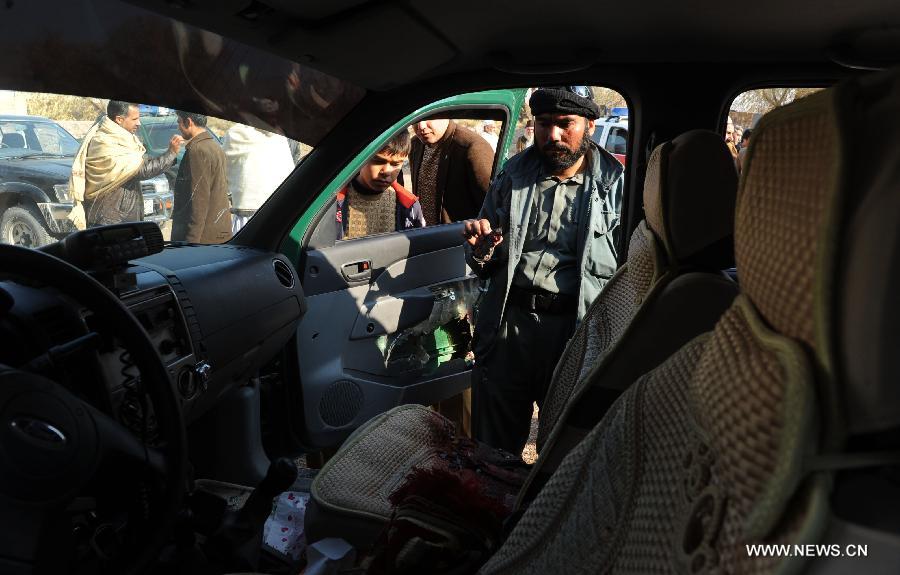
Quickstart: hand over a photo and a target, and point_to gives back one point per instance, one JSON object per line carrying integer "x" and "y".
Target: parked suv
{"x": 612, "y": 135}
{"x": 36, "y": 156}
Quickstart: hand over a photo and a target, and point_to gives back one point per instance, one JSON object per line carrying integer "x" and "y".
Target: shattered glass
{"x": 444, "y": 337}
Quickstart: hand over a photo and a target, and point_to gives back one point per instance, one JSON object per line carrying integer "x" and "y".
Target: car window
{"x": 13, "y": 142}
{"x": 611, "y": 131}
{"x": 747, "y": 109}
{"x": 264, "y": 112}
{"x": 446, "y": 171}
{"x": 433, "y": 171}
{"x": 253, "y": 163}
{"x": 616, "y": 140}
{"x": 160, "y": 132}
{"x": 439, "y": 170}
{"x": 54, "y": 140}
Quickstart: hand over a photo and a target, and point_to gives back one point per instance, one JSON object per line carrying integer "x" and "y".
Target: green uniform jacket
{"x": 509, "y": 203}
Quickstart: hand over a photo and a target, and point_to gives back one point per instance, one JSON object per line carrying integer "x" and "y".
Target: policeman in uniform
{"x": 544, "y": 240}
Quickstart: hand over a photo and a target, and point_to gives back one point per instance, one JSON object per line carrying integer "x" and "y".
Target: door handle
{"x": 357, "y": 271}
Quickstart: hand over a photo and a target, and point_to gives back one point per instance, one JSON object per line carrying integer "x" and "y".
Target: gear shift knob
{"x": 236, "y": 544}
{"x": 281, "y": 475}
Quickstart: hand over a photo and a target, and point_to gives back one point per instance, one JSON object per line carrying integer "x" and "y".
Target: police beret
{"x": 562, "y": 101}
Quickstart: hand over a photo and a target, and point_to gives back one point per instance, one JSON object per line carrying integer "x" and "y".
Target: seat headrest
{"x": 14, "y": 140}
{"x": 790, "y": 174}
{"x": 817, "y": 243}
{"x": 689, "y": 198}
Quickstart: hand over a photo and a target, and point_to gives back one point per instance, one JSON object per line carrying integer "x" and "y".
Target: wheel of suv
{"x": 22, "y": 226}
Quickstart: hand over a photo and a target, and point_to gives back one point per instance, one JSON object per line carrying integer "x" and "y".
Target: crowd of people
{"x": 527, "y": 231}
{"x": 542, "y": 275}
{"x": 737, "y": 139}
{"x": 216, "y": 190}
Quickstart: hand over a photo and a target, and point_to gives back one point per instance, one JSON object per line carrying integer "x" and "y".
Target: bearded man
{"x": 109, "y": 166}
{"x": 544, "y": 238}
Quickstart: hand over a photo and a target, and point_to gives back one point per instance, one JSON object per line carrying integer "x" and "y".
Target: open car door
{"x": 391, "y": 315}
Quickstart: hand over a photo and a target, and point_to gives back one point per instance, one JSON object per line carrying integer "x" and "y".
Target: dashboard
{"x": 110, "y": 366}
{"x": 215, "y": 314}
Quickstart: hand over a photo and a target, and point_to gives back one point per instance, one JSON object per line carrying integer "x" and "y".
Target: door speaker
{"x": 341, "y": 403}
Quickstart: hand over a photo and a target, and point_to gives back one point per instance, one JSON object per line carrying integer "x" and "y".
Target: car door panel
{"x": 401, "y": 335}
{"x": 323, "y": 269}
{"x": 393, "y": 313}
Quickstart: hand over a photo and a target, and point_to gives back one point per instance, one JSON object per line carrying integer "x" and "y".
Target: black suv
{"x": 36, "y": 156}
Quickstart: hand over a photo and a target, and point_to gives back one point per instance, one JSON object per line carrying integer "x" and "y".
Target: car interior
{"x": 728, "y": 404}
{"x": 14, "y": 140}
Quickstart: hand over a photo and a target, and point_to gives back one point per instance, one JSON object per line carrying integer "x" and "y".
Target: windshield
{"x": 159, "y": 133}
{"x": 124, "y": 52}
{"x": 255, "y": 115}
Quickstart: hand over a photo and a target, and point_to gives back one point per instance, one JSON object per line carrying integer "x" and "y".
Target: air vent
{"x": 283, "y": 273}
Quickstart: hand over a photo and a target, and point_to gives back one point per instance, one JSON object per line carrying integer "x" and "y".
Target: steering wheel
{"x": 53, "y": 443}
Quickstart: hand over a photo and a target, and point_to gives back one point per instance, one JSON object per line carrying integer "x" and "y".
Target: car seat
{"x": 13, "y": 140}
{"x": 689, "y": 197}
{"x": 761, "y": 431}
{"x": 670, "y": 289}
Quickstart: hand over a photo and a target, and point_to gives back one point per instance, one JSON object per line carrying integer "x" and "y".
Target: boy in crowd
{"x": 364, "y": 206}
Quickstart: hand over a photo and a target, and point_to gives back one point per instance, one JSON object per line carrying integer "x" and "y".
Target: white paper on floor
{"x": 283, "y": 531}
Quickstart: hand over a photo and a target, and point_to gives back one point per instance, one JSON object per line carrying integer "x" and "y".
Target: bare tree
{"x": 58, "y": 107}
{"x": 607, "y": 98}
{"x": 767, "y": 99}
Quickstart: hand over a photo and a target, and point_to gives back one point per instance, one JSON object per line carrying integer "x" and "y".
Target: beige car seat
{"x": 782, "y": 425}
{"x": 669, "y": 290}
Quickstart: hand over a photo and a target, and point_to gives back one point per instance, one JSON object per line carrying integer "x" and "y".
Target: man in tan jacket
{"x": 109, "y": 166}
{"x": 202, "y": 211}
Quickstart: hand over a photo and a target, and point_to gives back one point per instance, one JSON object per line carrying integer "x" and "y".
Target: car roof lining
{"x": 648, "y": 86}
{"x": 412, "y": 41}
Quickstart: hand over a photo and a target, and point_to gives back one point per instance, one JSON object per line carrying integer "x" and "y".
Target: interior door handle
{"x": 357, "y": 271}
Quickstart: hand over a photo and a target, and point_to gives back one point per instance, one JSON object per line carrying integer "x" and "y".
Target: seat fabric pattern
{"x": 689, "y": 188}
{"x": 577, "y": 518}
{"x": 375, "y": 460}
{"x": 779, "y": 255}
{"x": 682, "y": 472}
{"x": 654, "y": 180}
{"x": 607, "y": 319}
